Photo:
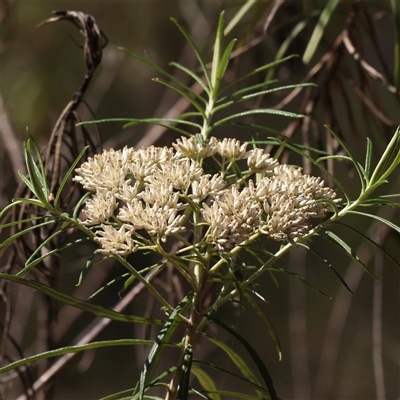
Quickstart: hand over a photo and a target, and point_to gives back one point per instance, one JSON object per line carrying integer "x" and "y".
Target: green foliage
{"x": 198, "y": 260}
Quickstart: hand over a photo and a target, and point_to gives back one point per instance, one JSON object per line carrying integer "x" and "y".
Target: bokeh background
{"x": 339, "y": 346}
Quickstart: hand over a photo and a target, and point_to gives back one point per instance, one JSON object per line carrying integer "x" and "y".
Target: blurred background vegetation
{"x": 343, "y": 347}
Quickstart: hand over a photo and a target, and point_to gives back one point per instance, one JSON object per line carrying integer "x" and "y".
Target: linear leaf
{"x": 23, "y": 232}
{"x": 183, "y": 94}
{"x": 258, "y": 111}
{"x": 195, "y": 77}
{"x": 223, "y": 64}
{"x": 76, "y": 349}
{"x": 239, "y": 15}
{"x": 260, "y": 69}
{"x": 237, "y": 395}
{"x": 271, "y": 331}
{"x": 205, "y": 381}
{"x": 397, "y": 263}
{"x": 183, "y": 385}
{"x": 348, "y": 250}
{"x": 195, "y": 49}
{"x": 217, "y": 53}
{"x": 368, "y": 157}
{"x": 299, "y": 278}
{"x": 156, "y": 67}
{"x": 289, "y": 39}
{"x": 81, "y": 304}
{"x": 319, "y": 30}
{"x": 328, "y": 264}
{"x": 377, "y": 217}
{"x": 36, "y": 179}
{"x": 155, "y": 352}
{"x": 236, "y": 358}
{"x": 346, "y": 148}
{"x": 70, "y": 170}
{"x": 253, "y": 354}
{"x": 263, "y": 92}
{"x": 29, "y": 264}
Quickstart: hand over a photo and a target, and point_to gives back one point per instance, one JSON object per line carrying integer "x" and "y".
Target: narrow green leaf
{"x": 223, "y": 64}
{"x": 38, "y": 156}
{"x": 76, "y": 349}
{"x": 328, "y": 264}
{"x": 260, "y": 69}
{"x": 159, "y": 69}
{"x": 268, "y": 91}
{"x": 23, "y": 221}
{"x": 389, "y": 161}
{"x": 206, "y": 382}
{"x": 70, "y": 170}
{"x": 156, "y": 121}
{"x": 247, "y": 89}
{"x": 219, "y": 38}
{"x": 183, "y": 385}
{"x": 155, "y": 382}
{"x": 258, "y": 111}
{"x": 290, "y": 38}
{"x": 167, "y": 127}
{"x": 29, "y": 264}
{"x": 88, "y": 264}
{"x": 368, "y": 158}
{"x": 234, "y": 376}
{"x": 40, "y": 188}
{"x": 346, "y": 148}
{"x": 195, "y": 50}
{"x": 117, "y": 395}
{"x": 195, "y": 77}
{"x": 236, "y": 358}
{"x": 23, "y": 232}
{"x": 253, "y": 354}
{"x": 13, "y": 203}
{"x": 200, "y": 394}
{"x": 155, "y": 352}
{"x": 396, "y": 262}
{"x": 347, "y": 249}
{"x": 126, "y": 284}
{"x": 299, "y": 278}
{"x": 239, "y": 15}
{"x": 272, "y": 333}
{"x": 228, "y": 394}
{"x": 81, "y": 304}
{"x": 183, "y": 94}
{"x": 377, "y": 217}
{"x": 28, "y": 183}
{"x": 318, "y": 32}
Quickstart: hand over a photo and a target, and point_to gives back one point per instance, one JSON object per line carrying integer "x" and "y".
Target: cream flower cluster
{"x": 156, "y": 190}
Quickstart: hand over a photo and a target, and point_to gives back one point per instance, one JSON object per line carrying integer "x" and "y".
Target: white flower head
{"x": 290, "y": 202}
{"x": 163, "y": 194}
{"x": 207, "y": 187}
{"x": 145, "y": 161}
{"x": 104, "y": 171}
{"x": 232, "y": 149}
{"x": 180, "y": 173}
{"x": 260, "y": 162}
{"x": 100, "y": 207}
{"x": 193, "y": 147}
{"x": 113, "y": 241}
{"x": 160, "y": 221}
{"x": 232, "y": 217}
{"x": 127, "y": 192}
